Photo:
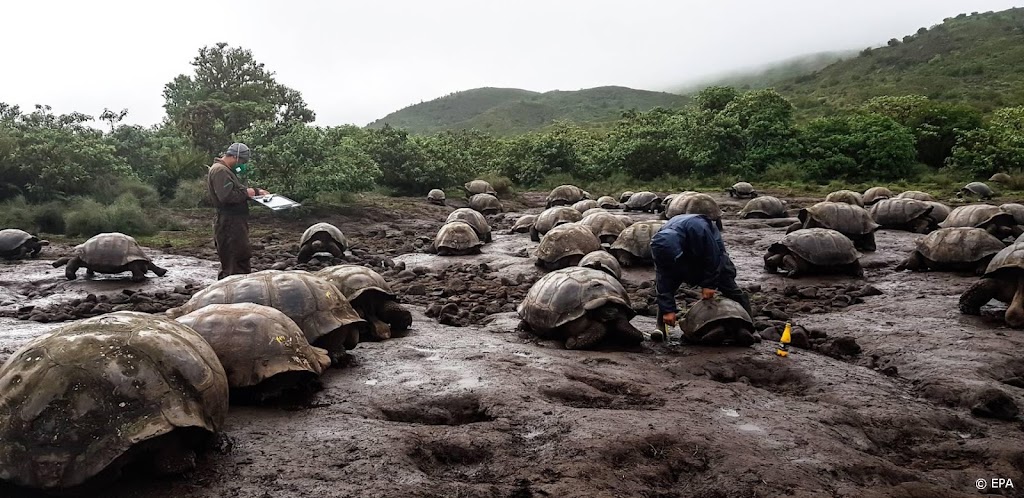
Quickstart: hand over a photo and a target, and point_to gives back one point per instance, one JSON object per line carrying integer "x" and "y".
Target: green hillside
{"x": 506, "y": 111}
{"x": 767, "y": 75}
{"x": 975, "y": 59}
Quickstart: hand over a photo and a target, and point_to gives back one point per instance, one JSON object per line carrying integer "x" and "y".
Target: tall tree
{"x": 227, "y": 94}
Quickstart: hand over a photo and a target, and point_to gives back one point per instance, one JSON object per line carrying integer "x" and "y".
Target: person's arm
{"x": 711, "y": 257}
{"x": 227, "y": 190}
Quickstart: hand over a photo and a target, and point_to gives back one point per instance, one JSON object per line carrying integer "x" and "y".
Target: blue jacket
{"x": 689, "y": 249}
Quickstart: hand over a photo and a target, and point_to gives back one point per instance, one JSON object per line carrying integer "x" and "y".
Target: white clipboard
{"x": 276, "y": 202}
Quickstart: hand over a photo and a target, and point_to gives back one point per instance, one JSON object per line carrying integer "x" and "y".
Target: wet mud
{"x": 893, "y": 393}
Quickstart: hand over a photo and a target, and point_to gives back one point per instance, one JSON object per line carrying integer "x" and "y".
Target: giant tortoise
{"x": 633, "y": 247}
{"x": 939, "y": 211}
{"x": 479, "y": 187}
{"x": 847, "y": 196}
{"x": 17, "y": 244}
{"x": 875, "y": 194}
{"x": 604, "y": 261}
{"x": 565, "y": 195}
{"x": 812, "y": 251}
{"x": 79, "y": 404}
{"x": 112, "y": 252}
{"x": 643, "y": 201}
{"x": 1017, "y": 210}
{"x": 324, "y": 315}
{"x": 486, "y": 204}
{"x": 475, "y": 220}
{"x": 582, "y": 306}
{"x": 976, "y": 188}
{"x": 1000, "y": 178}
{"x": 852, "y": 221}
{"x": 904, "y": 213}
{"x": 456, "y": 238}
{"x": 624, "y": 197}
{"x": 264, "y": 354}
{"x": 584, "y": 205}
{"x": 718, "y": 321}
{"x": 372, "y": 297}
{"x": 524, "y": 223}
{"x": 608, "y": 202}
{"x": 916, "y": 195}
{"x": 1003, "y": 281}
{"x": 990, "y": 218}
{"x": 321, "y": 237}
{"x": 764, "y": 206}
{"x": 436, "y": 196}
{"x": 695, "y": 203}
{"x": 606, "y": 226}
{"x": 741, "y": 190}
{"x": 552, "y": 217}
{"x": 565, "y": 245}
{"x": 953, "y": 249}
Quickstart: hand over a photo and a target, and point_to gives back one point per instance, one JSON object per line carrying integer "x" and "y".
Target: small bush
{"x": 49, "y": 217}
{"x": 128, "y": 216}
{"x": 783, "y": 173}
{"x": 125, "y": 215}
{"x": 502, "y": 184}
{"x": 109, "y": 189}
{"x": 86, "y": 219}
{"x": 16, "y": 213}
{"x": 190, "y": 194}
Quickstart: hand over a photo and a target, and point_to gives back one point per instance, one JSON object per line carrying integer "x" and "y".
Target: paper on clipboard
{"x": 276, "y": 202}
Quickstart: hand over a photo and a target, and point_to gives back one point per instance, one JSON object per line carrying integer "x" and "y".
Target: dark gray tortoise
{"x": 265, "y": 355}
{"x": 486, "y": 204}
{"x": 18, "y": 244}
{"x": 436, "y": 196}
{"x": 524, "y": 223}
{"x": 565, "y": 195}
{"x": 741, "y": 190}
{"x": 83, "y": 402}
{"x": 633, "y": 246}
{"x": 764, "y": 206}
{"x": 321, "y": 237}
{"x": 852, "y": 221}
{"x": 326, "y": 318}
{"x": 916, "y": 195}
{"x": 606, "y": 226}
{"x": 604, "y": 261}
{"x": 372, "y": 297}
{"x": 623, "y": 197}
{"x": 479, "y": 187}
{"x": 1003, "y": 281}
{"x": 904, "y": 214}
{"x": 813, "y": 251}
{"x": 586, "y": 308}
{"x": 565, "y": 245}
{"x": 456, "y": 238}
{"x": 584, "y": 205}
{"x": 552, "y": 217}
{"x": 643, "y": 201}
{"x": 717, "y": 321}
{"x": 475, "y": 220}
{"x": 953, "y": 249}
{"x": 978, "y": 189}
{"x": 875, "y": 194}
{"x": 847, "y": 196}
{"x": 109, "y": 253}
{"x": 694, "y": 203}
{"x": 608, "y": 202}
{"x": 987, "y": 217}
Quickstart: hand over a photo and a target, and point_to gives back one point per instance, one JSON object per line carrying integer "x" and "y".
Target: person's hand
{"x": 251, "y": 192}
{"x": 706, "y": 293}
{"x": 669, "y": 319}
{"x": 260, "y": 191}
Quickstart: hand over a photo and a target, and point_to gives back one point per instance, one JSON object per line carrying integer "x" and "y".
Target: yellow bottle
{"x": 787, "y": 336}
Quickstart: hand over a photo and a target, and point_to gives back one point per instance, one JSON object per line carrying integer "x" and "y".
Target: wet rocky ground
{"x": 893, "y": 392}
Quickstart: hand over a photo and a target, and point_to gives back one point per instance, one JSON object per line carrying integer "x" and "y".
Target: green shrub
{"x": 49, "y": 217}
{"x": 190, "y": 194}
{"x": 16, "y": 213}
{"x": 502, "y": 184}
{"x": 783, "y": 173}
{"x": 128, "y": 216}
{"x": 87, "y": 218}
{"x": 125, "y": 215}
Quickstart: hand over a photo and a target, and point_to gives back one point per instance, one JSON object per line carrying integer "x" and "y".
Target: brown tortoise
{"x": 552, "y": 217}
{"x": 109, "y": 253}
{"x": 565, "y": 245}
{"x": 475, "y": 220}
{"x": 633, "y": 246}
{"x": 1003, "y": 281}
{"x": 718, "y": 321}
{"x": 953, "y": 249}
{"x": 321, "y": 237}
{"x": 455, "y": 238}
{"x": 372, "y": 297}
{"x": 812, "y": 251}
{"x": 904, "y": 214}
{"x": 852, "y": 221}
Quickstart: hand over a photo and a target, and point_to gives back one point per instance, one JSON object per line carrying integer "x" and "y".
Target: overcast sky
{"x": 358, "y": 61}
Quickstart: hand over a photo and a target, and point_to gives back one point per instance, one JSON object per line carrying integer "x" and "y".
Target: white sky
{"x": 358, "y": 61}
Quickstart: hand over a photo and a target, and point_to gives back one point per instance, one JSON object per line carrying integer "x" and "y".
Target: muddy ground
{"x": 898, "y": 394}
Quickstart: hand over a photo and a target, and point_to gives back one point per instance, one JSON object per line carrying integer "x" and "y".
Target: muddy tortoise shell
{"x": 608, "y": 202}
{"x": 875, "y": 194}
{"x": 255, "y": 342}
{"x": 604, "y": 261}
{"x": 566, "y": 194}
{"x": 841, "y": 217}
{"x": 479, "y": 187}
{"x": 819, "y": 246}
{"x": 977, "y": 215}
{"x": 979, "y": 188}
{"x": 1007, "y": 261}
{"x": 707, "y": 312}
{"x": 355, "y": 281}
{"x": 524, "y": 223}
{"x": 323, "y": 229}
{"x": 939, "y": 212}
{"x": 11, "y": 239}
{"x": 899, "y": 211}
{"x": 485, "y": 203}
{"x": 959, "y": 244}
{"x": 624, "y": 197}
{"x": 316, "y": 306}
{"x": 636, "y": 238}
{"x": 744, "y": 188}
{"x": 475, "y": 220}
{"x": 569, "y": 239}
{"x": 603, "y": 224}
{"x": 435, "y": 194}
{"x": 457, "y": 235}
{"x": 847, "y": 196}
{"x": 769, "y": 206}
{"x": 696, "y": 203}
{"x": 564, "y": 295}
{"x": 1017, "y": 210}
{"x": 584, "y": 205}
{"x": 112, "y": 249}
{"x": 74, "y": 400}
{"x": 642, "y": 200}
{"x": 554, "y": 216}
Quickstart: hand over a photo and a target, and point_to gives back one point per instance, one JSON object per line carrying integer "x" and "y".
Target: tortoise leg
{"x": 488, "y": 238}
{"x": 855, "y": 269}
{"x": 306, "y": 253}
{"x": 396, "y": 315}
{"x": 867, "y": 242}
{"x": 584, "y": 333}
{"x": 624, "y": 332}
{"x": 335, "y": 250}
{"x": 920, "y": 225}
{"x": 174, "y": 457}
{"x": 158, "y": 271}
{"x": 534, "y": 235}
{"x": 23, "y": 252}
{"x": 982, "y": 265}
{"x": 71, "y": 271}
{"x": 714, "y": 336}
{"x": 1016, "y": 231}
{"x": 743, "y": 338}
{"x": 794, "y": 227}
{"x": 1015, "y": 312}
{"x": 915, "y": 262}
{"x": 978, "y": 294}
{"x": 792, "y": 265}
{"x": 378, "y": 331}
{"x": 138, "y": 269}
{"x": 773, "y": 262}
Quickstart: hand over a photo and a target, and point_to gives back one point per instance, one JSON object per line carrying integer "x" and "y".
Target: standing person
{"x": 689, "y": 249}
{"x": 231, "y": 198}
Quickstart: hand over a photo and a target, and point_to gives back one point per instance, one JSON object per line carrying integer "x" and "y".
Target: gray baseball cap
{"x": 239, "y": 150}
